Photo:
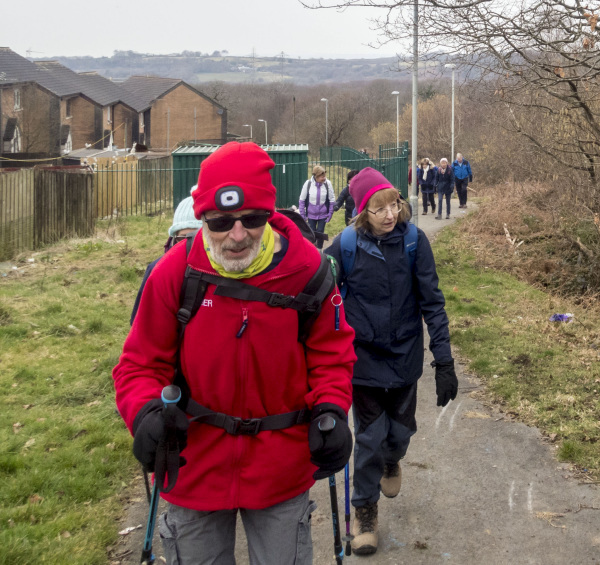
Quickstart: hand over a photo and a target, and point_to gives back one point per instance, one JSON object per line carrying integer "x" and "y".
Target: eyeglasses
{"x": 225, "y": 223}
{"x": 381, "y": 213}
{"x": 179, "y": 238}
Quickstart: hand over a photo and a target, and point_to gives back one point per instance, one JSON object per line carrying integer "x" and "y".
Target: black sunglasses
{"x": 225, "y": 223}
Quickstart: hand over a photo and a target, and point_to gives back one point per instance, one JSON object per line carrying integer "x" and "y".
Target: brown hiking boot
{"x": 391, "y": 480}
{"x": 364, "y": 529}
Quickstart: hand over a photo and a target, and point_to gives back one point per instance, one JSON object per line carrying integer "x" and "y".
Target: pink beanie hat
{"x": 365, "y": 184}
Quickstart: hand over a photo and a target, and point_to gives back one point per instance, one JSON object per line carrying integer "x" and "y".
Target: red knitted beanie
{"x": 235, "y": 177}
{"x": 365, "y": 184}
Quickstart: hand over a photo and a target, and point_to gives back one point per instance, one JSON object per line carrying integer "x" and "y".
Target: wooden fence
{"x": 42, "y": 205}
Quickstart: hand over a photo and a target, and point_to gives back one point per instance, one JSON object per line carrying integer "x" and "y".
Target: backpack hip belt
{"x": 245, "y": 426}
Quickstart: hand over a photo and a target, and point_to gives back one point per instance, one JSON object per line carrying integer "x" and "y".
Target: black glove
{"x": 336, "y": 208}
{"x": 446, "y": 383}
{"x": 471, "y": 178}
{"x": 329, "y": 450}
{"x": 150, "y": 429}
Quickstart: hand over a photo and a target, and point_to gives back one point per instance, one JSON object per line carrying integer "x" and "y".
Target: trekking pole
{"x": 348, "y": 537}
{"x": 325, "y": 426}
{"x": 170, "y": 396}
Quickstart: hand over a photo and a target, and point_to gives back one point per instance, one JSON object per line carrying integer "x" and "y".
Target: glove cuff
{"x": 320, "y": 409}
{"x": 152, "y": 406}
{"x": 442, "y": 364}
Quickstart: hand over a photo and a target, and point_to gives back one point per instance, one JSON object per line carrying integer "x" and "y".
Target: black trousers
{"x": 461, "y": 190}
{"x": 428, "y": 198}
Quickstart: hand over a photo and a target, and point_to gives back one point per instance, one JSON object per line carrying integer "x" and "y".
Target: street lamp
{"x": 397, "y": 94}
{"x": 266, "y": 136}
{"x": 248, "y": 126}
{"x": 451, "y": 66}
{"x": 414, "y": 199}
{"x": 326, "y": 122}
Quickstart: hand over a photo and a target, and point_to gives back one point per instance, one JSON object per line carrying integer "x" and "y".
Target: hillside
{"x": 197, "y": 68}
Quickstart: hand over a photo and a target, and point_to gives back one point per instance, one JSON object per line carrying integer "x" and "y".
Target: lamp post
{"x": 397, "y": 94}
{"x": 414, "y": 199}
{"x": 249, "y": 126}
{"x": 452, "y": 66}
{"x": 326, "y": 122}
{"x": 266, "y": 136}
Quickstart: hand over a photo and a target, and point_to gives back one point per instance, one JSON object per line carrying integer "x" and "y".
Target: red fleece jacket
{"x": 265, "y": 371}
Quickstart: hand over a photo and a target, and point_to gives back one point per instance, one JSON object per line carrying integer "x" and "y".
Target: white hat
{"x": 184, "y": 217}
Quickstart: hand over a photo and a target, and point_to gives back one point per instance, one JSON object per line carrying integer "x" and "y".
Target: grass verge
{"x": 546, "y": 374}
{"x": 66, "y": 454}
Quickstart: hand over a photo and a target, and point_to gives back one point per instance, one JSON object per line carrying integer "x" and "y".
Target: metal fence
{"x": 339, "y": 161}
{"x": 41, "y": 205}
{"x": 127, "y": 188}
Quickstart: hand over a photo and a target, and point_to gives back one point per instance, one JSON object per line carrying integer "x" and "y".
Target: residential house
{"x": 174, "y": 112}
{"x": 48, "y": 109}
{"x": 29, "y": 107}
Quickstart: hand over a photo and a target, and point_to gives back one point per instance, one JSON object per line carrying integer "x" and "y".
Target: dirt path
{"x": 477, "y": 489}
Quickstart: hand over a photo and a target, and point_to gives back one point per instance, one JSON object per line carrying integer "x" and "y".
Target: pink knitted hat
{"x": 365, "y": 184}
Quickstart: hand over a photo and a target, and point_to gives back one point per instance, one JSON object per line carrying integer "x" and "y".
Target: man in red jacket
{"x": 241, "y": 358}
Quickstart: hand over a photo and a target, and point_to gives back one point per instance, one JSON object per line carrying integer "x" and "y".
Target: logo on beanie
{"x": 229, "y": 198}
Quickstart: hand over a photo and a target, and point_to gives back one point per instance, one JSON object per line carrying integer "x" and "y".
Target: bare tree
{"x": 538, "y": 60}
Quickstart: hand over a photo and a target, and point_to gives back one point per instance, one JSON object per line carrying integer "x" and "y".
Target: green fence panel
{"x": 289, "y": 174}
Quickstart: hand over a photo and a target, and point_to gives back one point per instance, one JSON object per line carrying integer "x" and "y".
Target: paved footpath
{"x": 478, "y": 489}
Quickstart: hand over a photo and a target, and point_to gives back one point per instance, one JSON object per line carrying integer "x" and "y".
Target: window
{"x": 17, "y": 95}
{"x": 68, "y": 108}
{"x": 109, "y": 114}
{"x": 12, "y": 137}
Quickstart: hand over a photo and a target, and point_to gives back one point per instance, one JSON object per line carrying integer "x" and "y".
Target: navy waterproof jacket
{"x": 385, "y": 304}
{"x": 427, "y": 185}
{"x": 445, "y": 182}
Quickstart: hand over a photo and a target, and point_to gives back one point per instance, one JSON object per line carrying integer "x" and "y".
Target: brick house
{"x": 102, "y": 113}
{"x": 48, "y": 109}
{"x": 174, "y": 112}
{"x": 29, "y": 108}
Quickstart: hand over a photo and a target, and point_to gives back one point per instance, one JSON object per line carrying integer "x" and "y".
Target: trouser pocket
{"x": 168, "y": 537}
{"x": 304, "y": 550}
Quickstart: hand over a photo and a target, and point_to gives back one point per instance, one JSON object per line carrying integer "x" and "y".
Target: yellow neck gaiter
{"x": 260, "y": 263}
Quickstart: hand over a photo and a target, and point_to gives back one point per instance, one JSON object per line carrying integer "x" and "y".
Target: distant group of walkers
{"x": 270, "y": 342}
{"x": 443, "y": 179}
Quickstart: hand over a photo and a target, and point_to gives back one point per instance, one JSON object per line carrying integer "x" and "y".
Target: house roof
{"x": 92, "y": 85}
{"x": 153, "y": 88}
{"x": 16, "y": 69}
{"x": 64, "y": 82}
{"x": 137, "y": 92}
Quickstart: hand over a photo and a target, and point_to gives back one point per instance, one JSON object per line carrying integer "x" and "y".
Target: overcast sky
{"x": 59, "y": 27}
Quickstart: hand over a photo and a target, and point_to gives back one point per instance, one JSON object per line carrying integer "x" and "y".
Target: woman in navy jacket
{"x": 427, "y": 180}
{"x": 445, "y": 187}
{"x": 387, "y": 297}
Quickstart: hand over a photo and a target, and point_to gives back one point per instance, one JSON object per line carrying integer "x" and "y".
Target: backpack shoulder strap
{"x": 410, "y": 244}
{"x": 348, "y": 242}
{"x": 317, "y": 289}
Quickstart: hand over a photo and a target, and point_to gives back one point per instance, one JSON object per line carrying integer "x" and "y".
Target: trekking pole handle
{"x": 326, "y": 424}
{"x": 170, "y": 395}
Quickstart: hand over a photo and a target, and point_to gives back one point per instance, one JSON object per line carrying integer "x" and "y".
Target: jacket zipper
{"x": 241, "y": 390}
{"x": 244, "y": 323}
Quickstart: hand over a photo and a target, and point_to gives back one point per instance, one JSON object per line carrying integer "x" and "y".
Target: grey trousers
{"x": 384, "y": 422}
{"x": 278, "y": 535}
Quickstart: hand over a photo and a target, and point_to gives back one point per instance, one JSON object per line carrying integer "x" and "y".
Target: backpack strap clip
{"x": 280, "y": 300}
{"x": 240, "y": 427}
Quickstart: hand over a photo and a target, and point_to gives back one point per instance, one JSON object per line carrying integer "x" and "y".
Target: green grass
{"x": 545, "y": 373}
{"x": 66, "y": 455}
